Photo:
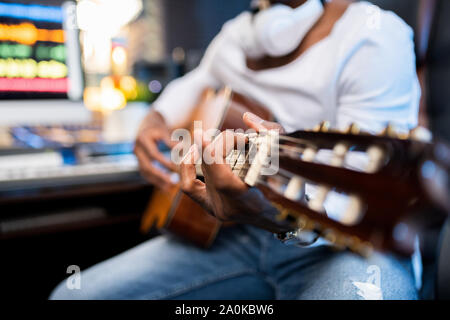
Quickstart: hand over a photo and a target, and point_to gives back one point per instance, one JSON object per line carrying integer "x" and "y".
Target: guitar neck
{"x": 383, "y": 197}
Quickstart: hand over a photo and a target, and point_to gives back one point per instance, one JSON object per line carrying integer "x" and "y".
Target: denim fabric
{"x": 244, "y": 263}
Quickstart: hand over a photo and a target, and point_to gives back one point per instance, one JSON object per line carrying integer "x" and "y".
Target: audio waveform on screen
{"x": 32, "y": 49}
{"x": 27, "y": 33}
{"x": 41, "y": 52}
{"x": 37, "y": 13}
{"x": 57, "y": 53}
{"x": 29, "y": 68}
{"x": 15, "y": 51}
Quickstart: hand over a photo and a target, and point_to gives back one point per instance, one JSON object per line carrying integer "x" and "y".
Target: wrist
{"x": 266, "y": 217}
{"x": 153, "y": 119}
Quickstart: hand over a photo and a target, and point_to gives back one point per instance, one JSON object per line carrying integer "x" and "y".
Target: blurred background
{"x": 76, "y": 78}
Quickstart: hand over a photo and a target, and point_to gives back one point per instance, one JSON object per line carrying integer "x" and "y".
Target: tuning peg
{"x": 421, "y": 134}
{"x": 325, "y": 126}
{"x": 403, "y": 135}
{"x": 353, "y": 213}
{"x": 389, "y": 131}
{"x": 353, "y": 129}
{"x": 376, "y": 158}
{"x": 309, "y": 155}
{"x": 317, "y": 202}
{"x": 322, "y": 127}
{"x": 294, "y": 189}
{"x": 316, "y": 128}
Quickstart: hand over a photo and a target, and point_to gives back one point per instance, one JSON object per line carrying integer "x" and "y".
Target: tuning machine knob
{"x": 421, "y": 134}
{"x": 353, "y": 129}
{"x": 376, "y": 156}
{"x": 389, "y": 131}
{"x": 322, "y": 127}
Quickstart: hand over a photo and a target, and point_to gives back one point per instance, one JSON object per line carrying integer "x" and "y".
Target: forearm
{"x": 181, "y": 96}
{"x": 258, "y": 212}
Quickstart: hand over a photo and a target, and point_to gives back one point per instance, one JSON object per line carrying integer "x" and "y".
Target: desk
{"x": 44, "y": 228}
{"x": 52, "y": 210}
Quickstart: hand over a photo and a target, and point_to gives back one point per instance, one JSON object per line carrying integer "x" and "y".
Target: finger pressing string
{"x": 190, "y": 185}
{"x": 227, "y": 141}
{"x": 259, "y": 124}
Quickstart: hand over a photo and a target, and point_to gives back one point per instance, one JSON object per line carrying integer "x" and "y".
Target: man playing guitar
{"x": 307, "y": 61}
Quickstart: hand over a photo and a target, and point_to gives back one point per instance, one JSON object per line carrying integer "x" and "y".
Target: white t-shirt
{"x": 364, "y": 72}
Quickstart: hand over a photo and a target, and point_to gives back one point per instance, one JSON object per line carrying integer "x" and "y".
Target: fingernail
{"x": 252, "y": 117}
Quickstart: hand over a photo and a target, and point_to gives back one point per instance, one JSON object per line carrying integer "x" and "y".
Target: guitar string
{"x": 297, "y": 150}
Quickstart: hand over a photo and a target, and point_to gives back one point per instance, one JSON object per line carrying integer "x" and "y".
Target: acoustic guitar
{"x": 175, "y": 212}
{"x": 386, "y": 202}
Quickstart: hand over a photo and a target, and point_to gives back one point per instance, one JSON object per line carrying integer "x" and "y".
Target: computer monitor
{"x": 41, "y": 78}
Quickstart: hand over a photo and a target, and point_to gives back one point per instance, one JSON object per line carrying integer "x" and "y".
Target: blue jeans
{"x": 244, "y": 263}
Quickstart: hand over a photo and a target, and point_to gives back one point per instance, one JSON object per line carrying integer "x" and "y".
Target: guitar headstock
{"x": 355, "y": 189}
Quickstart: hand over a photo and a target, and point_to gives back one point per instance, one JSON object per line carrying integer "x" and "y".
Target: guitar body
{"x": 175, "y": 212}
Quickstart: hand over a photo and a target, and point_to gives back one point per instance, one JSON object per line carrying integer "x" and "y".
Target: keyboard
{"x": 19, "y": 172}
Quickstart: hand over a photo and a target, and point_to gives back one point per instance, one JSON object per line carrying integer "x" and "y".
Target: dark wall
{"x": 406, "y": 9}
{"x": 192, "y": 24}
{"x": 439, "y": 72}
{"x": 438, "y": 60}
